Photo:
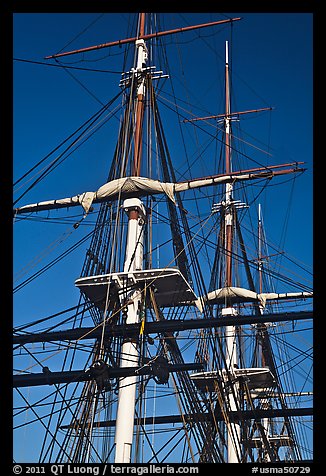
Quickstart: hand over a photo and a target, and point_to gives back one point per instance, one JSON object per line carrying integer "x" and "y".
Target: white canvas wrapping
{"x": 236, "y": 294}
{"x": 143, "y": 185}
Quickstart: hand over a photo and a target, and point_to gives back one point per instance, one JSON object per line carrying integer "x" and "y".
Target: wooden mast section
{"x": 233, "y": 429}
{"x": 142, "y": 56}
{"x": 228, "y": 169}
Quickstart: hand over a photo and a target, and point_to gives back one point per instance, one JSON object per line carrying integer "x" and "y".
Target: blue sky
{"x": 271, "y": 66}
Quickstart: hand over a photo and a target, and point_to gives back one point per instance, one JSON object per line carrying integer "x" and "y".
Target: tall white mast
{"x": 230, "y": 332}
{"x": 133, "y": 262}
{"x": 129, "y": 350}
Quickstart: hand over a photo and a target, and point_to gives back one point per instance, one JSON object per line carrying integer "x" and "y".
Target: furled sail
{"x": 236, "y": 294}
{"x": 140, "y": 186}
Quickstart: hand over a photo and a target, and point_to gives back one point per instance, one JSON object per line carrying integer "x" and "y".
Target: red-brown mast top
{"x": 140, "y": 100}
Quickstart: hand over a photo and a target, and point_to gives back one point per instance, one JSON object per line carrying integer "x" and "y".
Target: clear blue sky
{"x": 271, "y": 66}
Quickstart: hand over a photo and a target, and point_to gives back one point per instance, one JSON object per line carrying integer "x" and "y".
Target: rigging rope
{"x": 90, "y": 122}
{"x": 64, "y": 65}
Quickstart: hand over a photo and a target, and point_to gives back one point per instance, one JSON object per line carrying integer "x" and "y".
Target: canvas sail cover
{"x": 131, "y": 186}
{"x": 236, "y": 295}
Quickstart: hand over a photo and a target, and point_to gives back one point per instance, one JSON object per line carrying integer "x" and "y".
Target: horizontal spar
{"x": 143, "y": 37}
{"x": 128, "y": 330}
{"x": 191, "y": 418}
{"x": 142, "y": 186}
{"x": 50, "y": 378}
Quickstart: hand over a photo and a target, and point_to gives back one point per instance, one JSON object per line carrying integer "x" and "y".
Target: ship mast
{"x": 133, "y": 262}
{"x": 265, "y": 421}
{"x": 228, "y": 169}
{"x": 230, "y": 332}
